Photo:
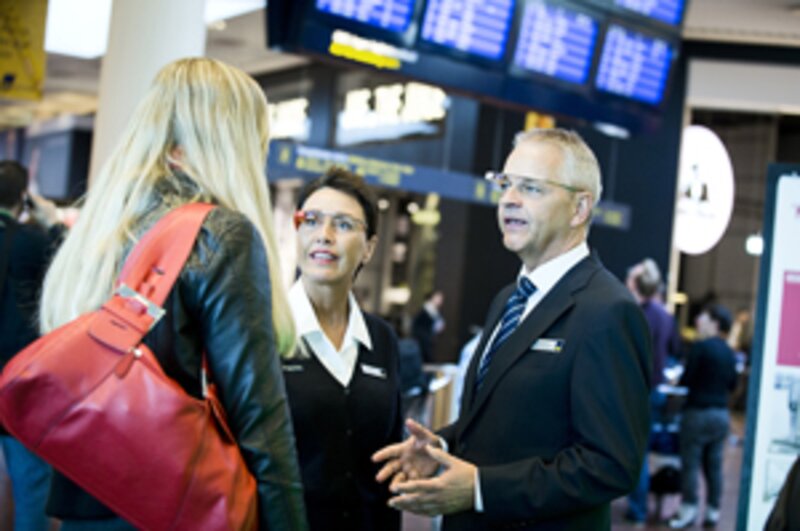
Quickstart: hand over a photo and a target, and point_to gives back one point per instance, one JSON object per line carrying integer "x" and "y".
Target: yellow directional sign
{"x": 22, "y": 56}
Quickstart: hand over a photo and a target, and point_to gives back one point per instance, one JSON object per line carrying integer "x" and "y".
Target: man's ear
{"x": 583, "y": 209}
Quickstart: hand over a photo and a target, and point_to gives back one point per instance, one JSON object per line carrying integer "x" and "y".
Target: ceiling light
{"x": 614, "y": 131}
{"x": 754, "y": 244}
{"x": 80, "y": 29}
{"x": 219, "y": 25}
{"x": 225, "y": 9}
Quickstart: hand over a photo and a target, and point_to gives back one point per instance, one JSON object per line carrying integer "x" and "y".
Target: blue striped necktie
{"x": 515, "y": 306}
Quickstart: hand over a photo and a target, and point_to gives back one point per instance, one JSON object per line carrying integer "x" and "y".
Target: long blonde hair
{"x": 203, "y": 119}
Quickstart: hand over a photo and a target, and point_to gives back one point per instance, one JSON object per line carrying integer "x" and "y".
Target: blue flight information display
{"x": 634, "y": 65}
{"x": 479, "y": 27}
{"x": 669, "y": 11}
{"x": 556, "y": 41}
{"x": 393, "y": 15}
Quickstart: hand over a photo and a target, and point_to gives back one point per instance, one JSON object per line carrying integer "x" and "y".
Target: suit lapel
{"x": 556, "y": 303}
{"x": 495, "y": 313}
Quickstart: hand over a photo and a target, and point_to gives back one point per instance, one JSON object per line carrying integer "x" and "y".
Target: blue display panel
{"x": 393, "y": 15}
{"x": 479, "y": 27}
{"x": 556, "y": 41}
{"x": 668, "y": 11}
{"x": 634, "y": 65}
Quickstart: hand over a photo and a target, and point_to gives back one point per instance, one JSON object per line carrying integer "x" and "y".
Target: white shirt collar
{"x": 547, "y": 275}
{"x": 306, "y": 321}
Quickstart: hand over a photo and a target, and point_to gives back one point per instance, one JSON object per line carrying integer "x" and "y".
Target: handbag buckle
{"x": 153, "y": 310}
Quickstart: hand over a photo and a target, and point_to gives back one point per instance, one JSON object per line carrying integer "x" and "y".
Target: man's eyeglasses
{"x": 309, "y": 220}
{"x": 527, "y": 186}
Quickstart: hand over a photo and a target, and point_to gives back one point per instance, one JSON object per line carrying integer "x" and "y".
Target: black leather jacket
{"x": 222, "y": 304}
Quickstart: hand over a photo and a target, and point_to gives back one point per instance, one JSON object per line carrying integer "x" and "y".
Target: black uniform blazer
{"x": 337, "y": 430}
{"x": 559, "y": 428}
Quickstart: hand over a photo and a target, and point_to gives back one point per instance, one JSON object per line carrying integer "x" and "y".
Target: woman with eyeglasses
{"x": 343, "y": 386}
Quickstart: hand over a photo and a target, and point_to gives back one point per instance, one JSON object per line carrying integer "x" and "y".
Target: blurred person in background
{"x": 428, "y": 323}
{"x": 200, "y": 134}
{"x": 644, "y": 282}
{"x": 344, "y": 385}
{"x": 710, "y": 376}
{"x": 740, "y": 340}
{"x": 25, "y": 252}
{"x": 741, "y": 337}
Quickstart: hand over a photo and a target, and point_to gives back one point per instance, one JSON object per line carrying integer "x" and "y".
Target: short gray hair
{"x": 579, "y": 164}
{"x": 648, "y": 279}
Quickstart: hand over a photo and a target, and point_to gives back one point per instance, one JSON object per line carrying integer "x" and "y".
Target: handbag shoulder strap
{"x": 149, "y": 273}
{"x": 153, "y": 266}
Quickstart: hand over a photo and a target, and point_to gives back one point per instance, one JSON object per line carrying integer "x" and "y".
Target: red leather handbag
{"x": 92, "y": 400}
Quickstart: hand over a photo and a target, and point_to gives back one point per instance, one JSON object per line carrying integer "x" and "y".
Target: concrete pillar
{"x": 144, "y": 35}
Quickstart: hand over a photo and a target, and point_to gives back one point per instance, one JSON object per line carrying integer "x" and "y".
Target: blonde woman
{"x": 200, "y": 134}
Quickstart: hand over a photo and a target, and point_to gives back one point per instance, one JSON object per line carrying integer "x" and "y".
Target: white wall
{"x": 743, "y": 86}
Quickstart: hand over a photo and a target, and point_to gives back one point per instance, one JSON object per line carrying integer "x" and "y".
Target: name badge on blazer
{"x": 548, "y": 345}
{"x": 371, "y": 370}
{"x": 295, "y": 367}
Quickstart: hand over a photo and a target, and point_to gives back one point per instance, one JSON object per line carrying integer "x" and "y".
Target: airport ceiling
{"x": 72, "y": 84}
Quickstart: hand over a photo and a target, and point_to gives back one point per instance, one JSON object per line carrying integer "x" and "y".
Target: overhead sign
{"x": 389, "y": 112}
{"x": 289, "y": 160}
{"x": 772, "y": 439}
{"x": 289, "y": 119}
{"x": 22, "y": 56}
{"x": 601, "y": 61}
{"x": 705, "y": 191}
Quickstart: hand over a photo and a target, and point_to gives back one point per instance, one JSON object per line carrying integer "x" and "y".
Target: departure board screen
{"x": 393, "y": 15}
{"x": 669, "y": 11}
{"x": 556, "y": 41}
{"x": 479, "y": 27}
{"x": 601, "y": 61}
{"x": 634, "y": 65}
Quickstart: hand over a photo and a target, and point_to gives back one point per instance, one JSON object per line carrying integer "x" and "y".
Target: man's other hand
{"x": 450, "y": 492}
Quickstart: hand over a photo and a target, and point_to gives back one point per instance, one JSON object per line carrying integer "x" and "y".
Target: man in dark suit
{"x": 555, "y": 411}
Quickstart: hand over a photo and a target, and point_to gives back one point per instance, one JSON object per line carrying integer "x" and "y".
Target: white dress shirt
{"x": 544, "y": 277}
{"x": 340, "y": 363}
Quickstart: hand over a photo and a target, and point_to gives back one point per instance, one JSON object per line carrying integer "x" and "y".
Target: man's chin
{"x": 513, "y": 242}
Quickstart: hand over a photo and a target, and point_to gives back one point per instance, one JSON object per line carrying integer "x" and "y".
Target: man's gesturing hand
{"x": 408, "y": 459}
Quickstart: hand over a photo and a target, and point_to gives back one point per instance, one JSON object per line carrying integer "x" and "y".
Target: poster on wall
{"x": 22, "y": 55}
{"x": 772, "y": 440}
